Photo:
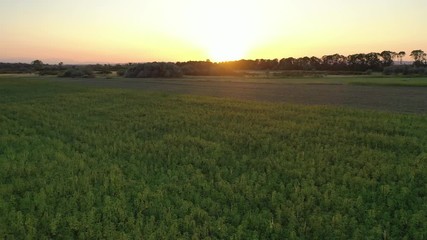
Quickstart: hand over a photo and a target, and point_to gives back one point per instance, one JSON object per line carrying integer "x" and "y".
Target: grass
{"x": 79, "y": 162}
{"x": 373, "y": 80}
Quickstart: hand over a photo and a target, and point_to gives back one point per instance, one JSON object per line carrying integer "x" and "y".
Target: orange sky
{"x": 166, "y": 30}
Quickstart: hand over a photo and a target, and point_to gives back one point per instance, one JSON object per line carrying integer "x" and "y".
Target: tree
{"x": 358, "y": 58}
{"x": 315, "y": 62}
{"x": 373, "y": 60}
{"x": 335, "y": 62}
{"x": 400, "y": 55}
{"x": 419, "y": 57}
{"x": 37, "y": 64}
{"x": 287, "y": 64}
{"x": 304, "y": 63}
{"x": 388, "y": 57}
{"x": 77, "y": 72}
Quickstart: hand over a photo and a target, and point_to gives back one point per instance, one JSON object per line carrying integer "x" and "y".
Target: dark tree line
{"x": 205, "y": 68}
{"x": 62, "y": 70}
{"x": 15, "y": 68}
{"x": 335, "y": 63}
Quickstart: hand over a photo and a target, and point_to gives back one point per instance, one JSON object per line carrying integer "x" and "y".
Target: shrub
{"x": 77, "y": 72}
{"x": 121, "y": 72}
{"x": 405, "y": 70}
{"x": 48, "y": 72}
{"x": 15, "y": 68}
{"x": 388, "y": 71}
{"x": 104, "y": 71}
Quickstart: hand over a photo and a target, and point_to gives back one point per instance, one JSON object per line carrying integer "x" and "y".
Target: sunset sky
{"x": 112, "y": 31}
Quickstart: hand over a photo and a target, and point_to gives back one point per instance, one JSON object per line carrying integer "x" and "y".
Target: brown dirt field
{"x": 386, "y": 98}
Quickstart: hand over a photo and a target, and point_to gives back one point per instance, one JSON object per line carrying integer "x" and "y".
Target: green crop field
{"x": 93, "y": 163}
{"x": 374, "y": 80}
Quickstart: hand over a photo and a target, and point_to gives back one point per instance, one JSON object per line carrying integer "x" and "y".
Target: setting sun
{"x": 230, "y": 44}
{"x": 224, "y": 30}
{"x": 229, "y": 52}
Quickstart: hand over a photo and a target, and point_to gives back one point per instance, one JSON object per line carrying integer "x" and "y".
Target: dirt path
{"x": 388, "y": 98}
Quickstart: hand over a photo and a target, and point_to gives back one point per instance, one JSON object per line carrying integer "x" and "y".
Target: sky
{"x": 107, "y": 31}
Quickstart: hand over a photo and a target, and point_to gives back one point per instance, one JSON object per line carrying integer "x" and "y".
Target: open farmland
{"x": 84, "y": 162}
{"x": 396, "y": 94}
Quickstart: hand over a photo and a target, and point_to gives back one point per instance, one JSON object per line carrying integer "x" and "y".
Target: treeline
{"x": 356, "y": 62}
{"x": 6, "y": 68}
{"x": 62, "y": 70}
{"x": 330, "y": 64}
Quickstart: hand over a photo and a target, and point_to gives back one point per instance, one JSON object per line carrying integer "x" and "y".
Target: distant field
{"x": 374, "y": 80}
{"x": 82, "y": 162}
{"x": 386, "y": 94}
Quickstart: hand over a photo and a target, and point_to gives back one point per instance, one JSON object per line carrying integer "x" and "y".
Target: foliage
{"x": 121, "y": 72}
{"x": 8, "y": 68}
{"x": 37, "y": 64}
{"x": 420, "y": 57}
{"x": 54, "y": 70}
{"x": 334, "y": 63}
{"x": 360, "y": 62}
{"x": 86, "y": 163}
{"x": 405, "y": 70}
{"x": 388, "y": 57}
{"x": 205, "y": 68}
{"x": 105, "y": 69}
{"x": 400, "y": 55}
{"x": 75, "y": 72}
{"x": 154, "y": 70}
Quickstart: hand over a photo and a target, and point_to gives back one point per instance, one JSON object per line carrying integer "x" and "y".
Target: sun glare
{"x": 227, "y": 47}
{"x": 225, "y": 30}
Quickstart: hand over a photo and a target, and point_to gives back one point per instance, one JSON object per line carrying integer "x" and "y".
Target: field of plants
{"x": 81, "y": 162}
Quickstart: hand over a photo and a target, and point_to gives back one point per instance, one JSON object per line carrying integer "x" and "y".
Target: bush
{"x": 77, "y": 72}
{"x": 388, "y": 71}
{"x": 48, "y": 72}
{"x": 154, "y": 70}
{"x": 405, "y": 70}
{"x": 15, "y": 68}
{"x": 121, "y": 72}
{"x": 104, "y": 71}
